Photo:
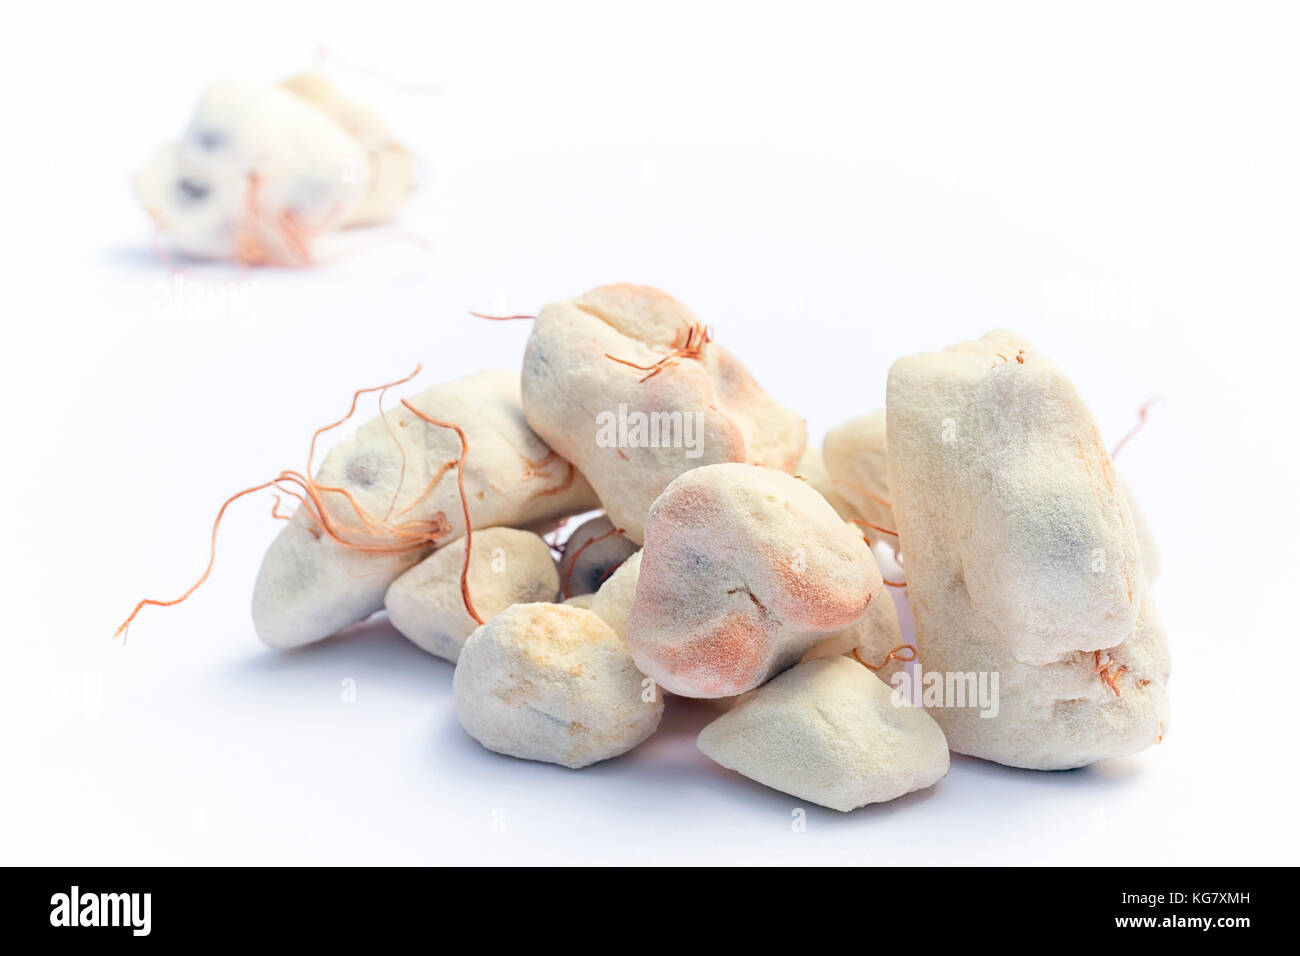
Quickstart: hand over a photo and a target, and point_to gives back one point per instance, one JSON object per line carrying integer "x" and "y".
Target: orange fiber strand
{"x": 541, "y": 469}
{"x": 654, "y": 370}
{"x": 296, "y": 496}
{"x": 296, "y": 235}
{"x": 1142, "y": 418}
{"x": 248, "y": 250}
{"x": 464, "y": 501}
{"x": 562, "y": 486}
{"x": 610, "y": 570}
{"x": 352, "y": 409}
{"x": 866, "y": 491}
{"x": 212, "y": 558}
{"x": 401, "y": 475}
{"x": 868, "y": 524}
{"x": 697, "y": 336}
{"x": 894, "y": 655}
{"x": 500, "y": 318}
{"x": 289, "y": 225}
{"x": 568, "y": 575}
{"x": 371, "y": 536}
{"x": 1103, "y": 670}
{"x": 433, "y": 483}
{"x": 1020, "y": 358}
{"x": 892, "y": 584}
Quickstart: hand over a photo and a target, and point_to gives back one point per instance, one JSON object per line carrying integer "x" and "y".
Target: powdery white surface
{"x": 254, "y": 159}
{"x": 829, "y": 731}
{"x": 570, "y": 382}
{"x": 613, "y": 602}
{"x": 591, "y": 553}
{"x": 392, "y": 169}
{"x": 506, "y": 566}
{"x": 856, "y": 453}
{"x": 874, "y": 637}
{"x": 1147, "y": 546}
{"x": 743, "y": 570}
{"x": 1022, "y": 558}
{"x": 310, "y": 586}
{"x": 812, "y": 469}
{"x": 554, "y": 683}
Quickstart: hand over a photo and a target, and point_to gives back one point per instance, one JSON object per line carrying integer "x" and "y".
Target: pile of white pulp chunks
{"x": 732, "y": 562}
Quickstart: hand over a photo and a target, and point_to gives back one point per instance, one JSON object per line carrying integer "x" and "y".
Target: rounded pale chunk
{"x": 393, "y": 169}
{"x": 613, "y": 602}
{"x": 1147, "y": 546}
{"x": 828, "y": 731}
{"x": 874, "y": 638}
{"x": 631, "y": 430}
{"x": 506, "y": 567}
{"x": 554, "y": 683}
{"x": 744, "y": 570}
{"x": 402, "y": 470}
{"x": 591, "y": 554}
{"x": 1024, "y": 560}
{"x": 1015, "y": 496}
{"x": 812, "y": 469}
{"x": 856, "y": 456}
{"x": 255, "y": 178}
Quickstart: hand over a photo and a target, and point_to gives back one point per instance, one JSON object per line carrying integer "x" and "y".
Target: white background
{"x": 829, "y": 187}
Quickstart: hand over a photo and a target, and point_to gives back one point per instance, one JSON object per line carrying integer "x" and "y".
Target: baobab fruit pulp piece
{"x": 829, "y": 732}
{"x": 506, "y": 567}
{"x": 391, "y": 168}
{"x": 613, "y": 602}
{"x": 1022, "y": 558}
{"x": 258, "y": 177}
{"x": 855, "y": 454}
{"x": 875, "y": 638}
{"x": 399, "y": 469}
{"x": 744, "y": 569}
{"x": 625, "y": 383}
{"x": 1146, "y": 540}
{"x": 812, "y": 469}
{"x": 591, "y": 554}
{"x": 553, "y": 682}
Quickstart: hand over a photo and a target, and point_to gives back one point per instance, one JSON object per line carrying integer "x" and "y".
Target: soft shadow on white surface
{"x": 371, "y": 649}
